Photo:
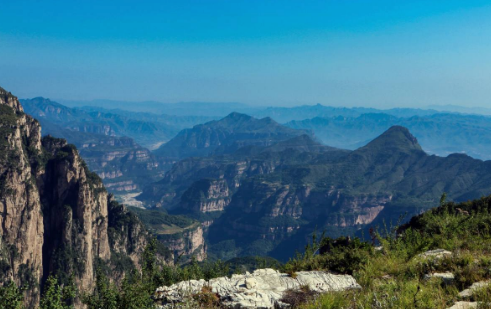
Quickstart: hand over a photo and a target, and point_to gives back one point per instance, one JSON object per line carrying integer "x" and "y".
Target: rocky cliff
{"x": 57, "y": 217}
{"x": 188, "y": 242}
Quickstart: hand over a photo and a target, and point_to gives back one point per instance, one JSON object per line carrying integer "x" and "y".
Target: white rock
{"x": 250, "y": 283}
{"x": 464, "y": 305}
{"x": 436, "y": 254}
{"x": 447, "y": 278}
{"x": 475, "y": 286}
{"x": 262, "y": 289}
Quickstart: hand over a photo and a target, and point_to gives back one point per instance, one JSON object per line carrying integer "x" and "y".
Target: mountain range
{"x": 440, "y": 133}
{"x": 267, "y": 200}
{"x": 441, "y": 130}
{"x": 257, "y": 186}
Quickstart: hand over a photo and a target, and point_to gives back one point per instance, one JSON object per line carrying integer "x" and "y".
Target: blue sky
{"x": 343, "y": 53}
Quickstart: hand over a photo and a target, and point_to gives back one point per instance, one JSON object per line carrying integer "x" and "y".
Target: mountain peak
{"x": 396, "y": 137}
{"x": 7, "y": 98}
{"x": 236, "y": 116}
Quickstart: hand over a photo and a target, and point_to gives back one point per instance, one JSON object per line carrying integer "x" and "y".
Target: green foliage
{"x": 11, "y": 296}
{"x": 342, "y": 255}
{"x": 156, "y": 218}
{"x": 104, "y": 296}
{"x": 26, "y": 276}
{"x": 56, "y": 296}
{"x": 240, "y": 265}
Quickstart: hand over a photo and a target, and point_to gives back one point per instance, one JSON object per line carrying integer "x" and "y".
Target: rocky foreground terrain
{"x": 264, "y": 288}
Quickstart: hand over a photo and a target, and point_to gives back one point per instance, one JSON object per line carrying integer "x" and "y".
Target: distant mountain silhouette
{"x": 226, "y": 136}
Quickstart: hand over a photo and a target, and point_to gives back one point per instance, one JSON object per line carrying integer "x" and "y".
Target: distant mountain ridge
{"x": 123, "y": 164}
{"x": 100, "y": 122}
{"x": 226, "y": 136}
{"x": 440, "y": 133}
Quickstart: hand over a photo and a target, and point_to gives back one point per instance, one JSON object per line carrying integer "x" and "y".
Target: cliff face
{"x": 22, "y": 226}
{"x": 207, "y": 196}
{"x": 189, "y": 242}
{"x": 57, "y": 218}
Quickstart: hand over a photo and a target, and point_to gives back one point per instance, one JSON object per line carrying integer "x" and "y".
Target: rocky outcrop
{"x": 56, "y": 216}
{"x": 264, "y": 288}
{"x": 122, "y": 186}
{"x": 473, "y": 288}
{"x": 447, "y": 277}
{"x": 464, "y": 305}
{"x": 126, "y": 167}
{"x": 435, "y": 254}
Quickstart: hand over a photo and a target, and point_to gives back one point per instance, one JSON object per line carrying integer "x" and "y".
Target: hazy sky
{"x": 342, "y": 53}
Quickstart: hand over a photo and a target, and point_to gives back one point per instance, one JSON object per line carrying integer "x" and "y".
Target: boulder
{"x": 264, "y": 288}
{"x": 447, "y": 278}
{"x": 475, "y": 286}
{"x": 435, "y": 254}
{"x": 464, "y": 305}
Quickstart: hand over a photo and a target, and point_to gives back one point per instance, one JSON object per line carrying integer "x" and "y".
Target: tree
{"x": 10, "y": 296}
{"x": 105, "y": 295}
{"x": 57, "y": 297}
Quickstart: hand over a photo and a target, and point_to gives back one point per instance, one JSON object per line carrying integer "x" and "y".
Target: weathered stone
{"x": 447, "y": 278}
{"x": 464, "y": 305}
{"x": 263, "y": 288}
{"x": 435, "y": 254}
{"x": 474, "y": 287}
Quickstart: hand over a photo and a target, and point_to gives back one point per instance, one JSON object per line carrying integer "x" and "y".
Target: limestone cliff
{"x": 56, "y": 216}
{"x": 187, "y": 243}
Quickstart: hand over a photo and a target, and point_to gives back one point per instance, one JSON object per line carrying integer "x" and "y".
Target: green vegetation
{"x": 8, "y": 119}
{"x": 11, "y": 296}
{"x": 393, "y": 277}
{"x": 56, "y": 296}
{"x": 157, "y": 219}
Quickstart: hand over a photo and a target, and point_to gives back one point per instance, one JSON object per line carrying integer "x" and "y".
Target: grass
{"x": 394, "y": 276}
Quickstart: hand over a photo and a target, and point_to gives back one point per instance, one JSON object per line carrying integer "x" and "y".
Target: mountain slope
{"x": 147, "y": 133}
{"x": 124, "y": 165}
{"x": 267, "y": 202}
{"x": 56, "y": 215}
{"x": 192, "y": 174}
{"x": 225, "y": 136}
